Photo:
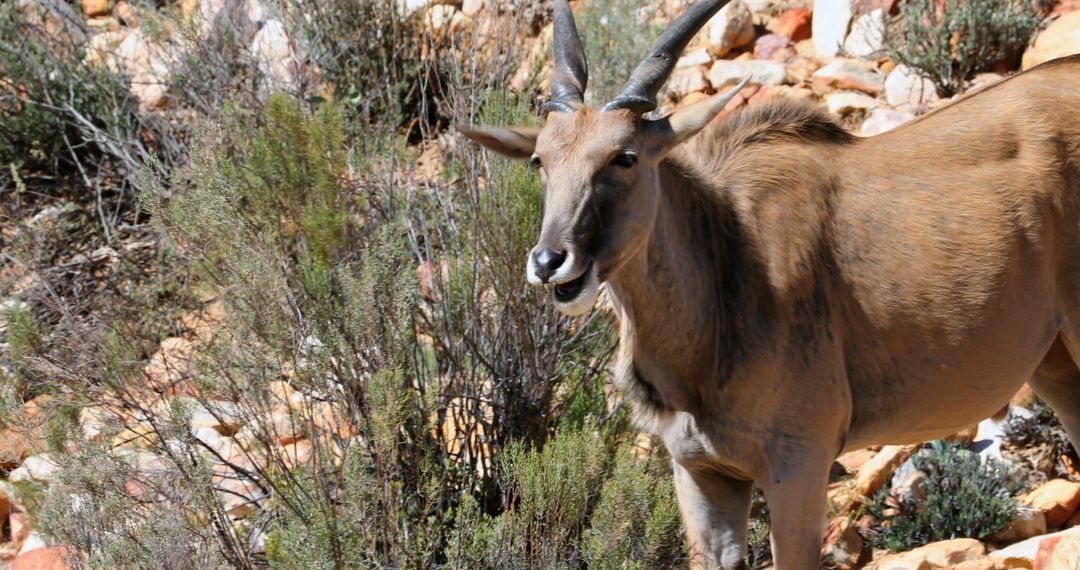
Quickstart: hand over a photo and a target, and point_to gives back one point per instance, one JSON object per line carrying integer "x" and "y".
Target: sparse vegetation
{"x": 948, "y": 42}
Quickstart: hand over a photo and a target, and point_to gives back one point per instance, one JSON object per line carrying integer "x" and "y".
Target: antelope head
{"x": 599, "y": 167}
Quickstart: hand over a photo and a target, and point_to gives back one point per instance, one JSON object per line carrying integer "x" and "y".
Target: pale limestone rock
{"x": 904, "y": 86}
{"x": 844, "y": 102}
{"x": 944, "y": 554}
{"x": 1060, "y": 38}
{"x": 867, "y": 37}
{"x": 830, "y": 25}
{"x": 726, "y": 73}
{"x": 849, "y": 74}
{"x": 731, "y": 27}
{"x": 883, "y": 120}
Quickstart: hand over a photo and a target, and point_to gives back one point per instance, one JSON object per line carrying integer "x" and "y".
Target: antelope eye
{"x": 625, "y": 159}
{"x": 534, "y": 163}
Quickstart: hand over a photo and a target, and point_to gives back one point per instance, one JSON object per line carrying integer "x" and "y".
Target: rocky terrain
{"x": 834, "y": 52}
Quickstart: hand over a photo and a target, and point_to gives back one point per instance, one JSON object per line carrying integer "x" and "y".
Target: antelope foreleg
{"x": 714, "y": 511}
{"x": 796, "y": 499}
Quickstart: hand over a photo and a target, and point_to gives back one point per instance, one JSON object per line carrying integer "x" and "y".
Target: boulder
{"x": 472, "y": 7}
{"x": 726, "y": 73}
{"x": 768, "y": 45}
{"x": 844, "y": 102}
{"x": 848, "y": 74}
{"x": 694, "y": 58}
{"x": 1027, "y": 523}
{"x": 874, "y": 473}
{"x": 830, "y": 25}
{"x": 853, "y": 460}
{"x": 1058, "y": 499}
{"x": 40, "y": 468}
{"x": 843, "y": 544}
{"x": 1058, "y": 553}
{"x": 794, "y": 24}
{"x": 46, "y": 558}
{"x": 93, "y": 8}
{"x": 867, "y": 37}
{"x": 1060, "y": 38}
{"x": 277, "y": 62}
{"x": 883, "y": 120}
{"x": 1029, "y": 549}
{"x": 731, "y": 27}
{"x": 944, "y": 554}
{"x": 687, "y": 80}
{"x": 904, "y": 86}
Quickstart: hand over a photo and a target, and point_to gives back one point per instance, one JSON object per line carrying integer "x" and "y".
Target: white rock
{"x": 849, "y": 74}
{"x": 830, "y": 25}
{"x": 867, "y": 35}
{"x": 149, "y": 64}
{"x": 406, "y": 7}
{"x": 684, "y": 81}
{"x": 844, "y": 102}
{"x": 472, "y": 7}
{"x": 275, "y": 57}
{"x": 1060, "y": 38}
{"x": 33, "y": 542}
{"x": 904, "y": 86}
{"x": 41, "y": 468}
{"x": 731, "y": 27}
{"x": 882, "y": 120}
{"x": 726, "y": 73}
{"x": 694, "y": 58}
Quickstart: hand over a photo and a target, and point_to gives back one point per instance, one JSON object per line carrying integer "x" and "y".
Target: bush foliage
{"x": 966, "y": 496}
{"x": 948, "y": 42}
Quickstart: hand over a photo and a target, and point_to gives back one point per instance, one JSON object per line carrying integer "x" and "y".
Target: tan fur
{"x": 787, "y": 291}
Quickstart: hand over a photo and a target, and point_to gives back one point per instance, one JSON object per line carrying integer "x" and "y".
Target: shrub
{"x": 966, "y": 497}
{"x": 950, "y": 41}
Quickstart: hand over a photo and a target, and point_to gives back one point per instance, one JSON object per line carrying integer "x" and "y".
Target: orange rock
{"x": 875, "y": 472}
{"x": 92, "y": 8}
{"x": 843, "y": 545}
{"x": 794, "y": 23}
{"x": 1058, "y": 499}
{"x": 944, "y": 554}
{"x": 51, "y": 558}
{"x": 1058, "y": 553}
{"x": 1023, "y": 396}
{"x": 853, "y": 460}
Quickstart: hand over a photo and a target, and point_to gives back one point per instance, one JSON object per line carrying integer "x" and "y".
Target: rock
{"x": 843, "y": 544}
{"x": 149, "y": 65}
{"x": 785, "y": 91}
{"x": 904, "y": 86}
{"x": 731, "y": 27}
{"x": 406, "y": 7}
{"x": 853, "y": 460}
{"x": 1025, "y": 396}
{"x": 944, "y": 554}
{"x": 793, "y": 24}
{"x": 277, "y": 62}
{"x": 101, "y": 48}
{"x": 41, "y": 468}
{"x": 908, "y": 485}
{"x": 692, "y": 98}
{"x": 126, "y": 14}
{"x": 769, "y": 44}
{"x": 801, "y": 69}
{"x": 883, "y": 120}
{"x": 1060, "y": 38}
{"x": 694, "y": 58}
{"x": 297, "y": 453}
{"x": 472, "y": 7}
{"x": 443, "y": 20}
{"x": 848, "y": 74}
{"x": 1029, "y": 549}
{"x": 57, "y": 19}
{"x": 1058, "y": 553}
{"x": 867, "y": 37}
{"x": 1027, "y": 523}
{"x": 830, "y": 25}
{"x": 223, "y": 417}
{"x": 92, "y": 8}
{"x": 1058, "y": 499}
{"x": 13, "y": 449}
{"x": 686, "y": 81}
{"x": 726, "y": 73}
{"x": 844, "y": 102}
{"x": 874, "y": 473}
{"x": 48, "y": 558}
{"x": 239, "y": 497}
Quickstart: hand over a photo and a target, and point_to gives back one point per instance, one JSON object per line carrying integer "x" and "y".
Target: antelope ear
{"x": 688, "y": 121}
{"x": 515, "y": 142}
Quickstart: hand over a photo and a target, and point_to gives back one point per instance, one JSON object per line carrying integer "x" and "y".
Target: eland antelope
{"x": 787, "y": 291}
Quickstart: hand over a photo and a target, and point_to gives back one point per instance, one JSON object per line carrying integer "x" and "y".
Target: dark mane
{"x": 778, "y": 120}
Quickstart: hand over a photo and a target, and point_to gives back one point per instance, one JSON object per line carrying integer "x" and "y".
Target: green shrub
{"x": 948, "y": 42}
{"x": 966, "y": 497}
{"x": 617, "y": 37}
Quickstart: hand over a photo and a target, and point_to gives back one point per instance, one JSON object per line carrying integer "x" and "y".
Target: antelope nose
{"x": 547, "y": 262}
